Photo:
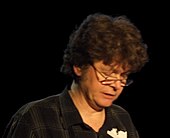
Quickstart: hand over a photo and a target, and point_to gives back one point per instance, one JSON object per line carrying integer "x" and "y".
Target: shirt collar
{"x": 69, "y": 112}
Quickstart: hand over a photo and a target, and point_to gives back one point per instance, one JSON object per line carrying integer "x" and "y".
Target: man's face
{"x": 102, "y": 84}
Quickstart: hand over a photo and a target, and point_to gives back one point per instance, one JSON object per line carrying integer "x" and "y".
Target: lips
{"x": 109, "y": 95}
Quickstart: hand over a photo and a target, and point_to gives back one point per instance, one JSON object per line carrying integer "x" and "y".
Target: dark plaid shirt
{"x": 57, "y": 117}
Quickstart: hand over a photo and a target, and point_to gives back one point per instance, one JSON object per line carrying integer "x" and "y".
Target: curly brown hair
{"x": 103, "y": 37}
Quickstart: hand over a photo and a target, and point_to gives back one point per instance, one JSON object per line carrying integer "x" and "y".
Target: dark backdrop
{"x": 34, "y": 38}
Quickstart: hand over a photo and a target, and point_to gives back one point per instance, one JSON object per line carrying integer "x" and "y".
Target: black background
{"x": 35, "y": 35}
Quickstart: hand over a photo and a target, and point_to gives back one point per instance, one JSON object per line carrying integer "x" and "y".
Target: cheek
{"x": 94, "y": 84}
{"x": 93, "y": 80}
{"x": 90, "y": 79}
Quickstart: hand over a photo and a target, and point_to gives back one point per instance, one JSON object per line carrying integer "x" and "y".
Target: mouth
{"x": 109, "y": 95}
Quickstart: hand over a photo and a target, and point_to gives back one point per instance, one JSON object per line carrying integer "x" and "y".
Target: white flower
{"x": 117, "y": 134}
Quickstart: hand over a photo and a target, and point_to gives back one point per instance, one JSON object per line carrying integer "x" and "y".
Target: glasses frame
{"x": 128, "y": 81}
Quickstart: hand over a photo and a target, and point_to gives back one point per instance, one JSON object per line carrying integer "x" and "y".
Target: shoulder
{"x": 36, "y": 108}
{"x": 40, "y": 108}
{"x": 33, "y": 113}
{"x": 47, "y": 102}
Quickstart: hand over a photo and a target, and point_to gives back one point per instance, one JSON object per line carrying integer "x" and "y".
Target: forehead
{"x": 113, "y": 67}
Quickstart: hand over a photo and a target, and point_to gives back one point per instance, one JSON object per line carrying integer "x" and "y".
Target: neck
{"x": 94, "y": 117}
{"x": 83, "y": 104}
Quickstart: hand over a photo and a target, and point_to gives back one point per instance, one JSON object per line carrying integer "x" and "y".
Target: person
{"x": 100, "y": 57}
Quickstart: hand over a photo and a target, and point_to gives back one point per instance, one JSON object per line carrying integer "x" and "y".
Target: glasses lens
{"x": 102, "y": 78}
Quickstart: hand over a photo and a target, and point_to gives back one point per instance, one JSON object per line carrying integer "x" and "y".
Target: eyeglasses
{"x": 124, "y": 82}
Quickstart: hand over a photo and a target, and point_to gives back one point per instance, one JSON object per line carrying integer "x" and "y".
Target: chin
{"x": 106, "y": 103}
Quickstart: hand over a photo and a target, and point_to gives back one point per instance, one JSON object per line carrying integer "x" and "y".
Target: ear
{"x": 77, "y": 70}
